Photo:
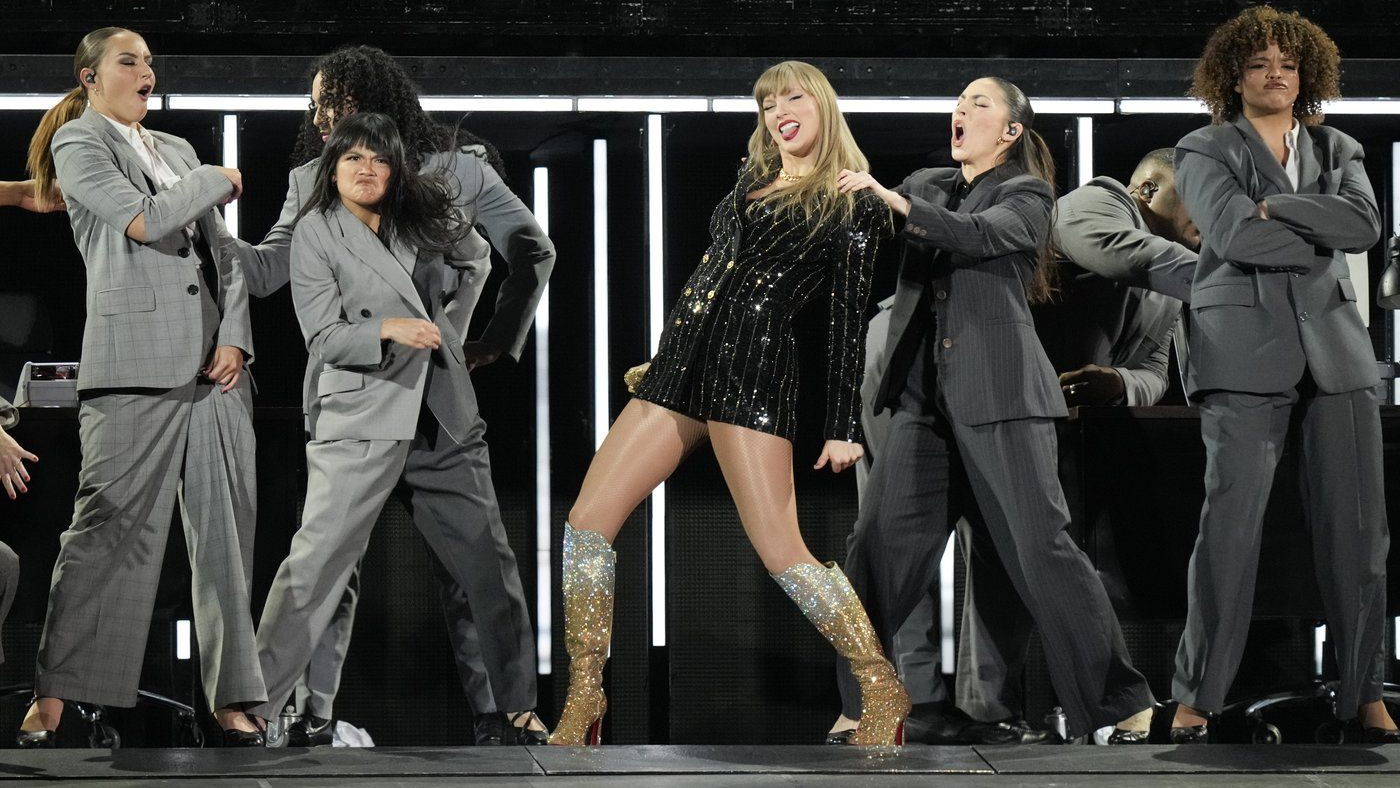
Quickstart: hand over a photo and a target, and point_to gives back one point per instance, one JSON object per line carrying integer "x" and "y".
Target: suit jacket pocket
{"x": 339, "y": 381}
{"x": 119, "y": 300}
{"x": 1347, "y": 288}
{"x": 1228, "y": 293}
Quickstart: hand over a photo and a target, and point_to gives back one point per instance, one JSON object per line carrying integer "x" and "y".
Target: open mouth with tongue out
{"x": 789, "y": 130}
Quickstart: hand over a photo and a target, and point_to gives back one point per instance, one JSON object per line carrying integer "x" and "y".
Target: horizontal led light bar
{"x": 648, "y": 104}
{"x": 908, "y": 105}
{"x": 1362, "y": 107}
{"x": 238, "y": 103}
{"x": 1064, "y": 106}
{"x": 44, "y": 101}
{"x": 497, "y": 103}
{"x": 721, "y": 104}
{"x": 1162, "y": 106}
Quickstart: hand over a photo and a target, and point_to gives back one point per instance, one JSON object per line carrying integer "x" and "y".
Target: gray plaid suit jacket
{"x": 144, "y": 322}
{"x": 1278, "y": 286}
{"x": 991, "y": 365}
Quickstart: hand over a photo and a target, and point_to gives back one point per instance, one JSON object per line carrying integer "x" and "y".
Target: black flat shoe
{"x": 944, "y": 723}
{"x": 1024, "y": 732}
{"x": 524, "y": 734}
{"x": 1120, "y": 736}
{"x": 36, "y": 739}
{"x": 236, "y": 738}
{"x": 311, "y": 731}
{"x": 1380, "y": 736}
{"x": 1190, "y": 734}
{"x": 840, "y": 737}
{"x": 489, "y": 730}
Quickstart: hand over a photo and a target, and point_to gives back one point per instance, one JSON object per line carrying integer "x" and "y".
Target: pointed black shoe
{"x": 490, "y": 729}
{"x": 840, "y": 737}
{"x": 1190, "y": 734}
{"x": 1120, "y": 736}
{"x": 233, "y": 737}
{"x": 943, "y": 723}
{"x": 29, "y": 740}
{"x": 36, "y": 739}
{"x": 523, "y": 733}
{"x": 311, "y": 731}
{"x": 1380, "y": 736}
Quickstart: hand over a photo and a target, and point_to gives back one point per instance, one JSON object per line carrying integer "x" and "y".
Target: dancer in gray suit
{"x": 165, "y": 409}
{"x": 1121, "y": 250}
{"x": 497, "y": 669}
{"x": 1279, "y": 352}
{"x": 390, "y": 403}
{"x": 974, "y": 400}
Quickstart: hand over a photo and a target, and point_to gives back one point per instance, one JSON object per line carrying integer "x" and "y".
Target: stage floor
{"x": 1247, "y": 766}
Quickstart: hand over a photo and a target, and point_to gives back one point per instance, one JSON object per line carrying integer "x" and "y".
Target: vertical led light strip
{"x": 1084, "y": 157}
{"x": 231, "y": 161}
{"x": 183, "y": 647}
{"x": 1395, "y": 315}
{"x": 947, "y": 620}
{"x": 602, "y": 413}
{"x": 544, "y": 503}
{"x": 656, "y": 318}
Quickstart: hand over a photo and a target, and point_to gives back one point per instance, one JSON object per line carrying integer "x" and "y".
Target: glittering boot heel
{"x": 827, "y": 600}
{"x": 590, "y": 569}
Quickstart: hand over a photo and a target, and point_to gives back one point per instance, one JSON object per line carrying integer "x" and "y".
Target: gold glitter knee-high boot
{"x": 590, "y": 569}
{"x": 827, "y": 600}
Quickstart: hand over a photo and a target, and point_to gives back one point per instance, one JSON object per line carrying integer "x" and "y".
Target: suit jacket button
{"x": 947, "y": 343}
{"x": 941, "y": 295}
{"x": 183, "y": 251}
{"x": 364, "y": 313}
{"x": 192, "y": 290}
{"x": 1303, "y": 317}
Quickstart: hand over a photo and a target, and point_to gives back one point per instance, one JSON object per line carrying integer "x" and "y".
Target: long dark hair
{"x": 416, "y": 209}
{"x": 367, "y": 79}
{"x": 1029, "y": 152}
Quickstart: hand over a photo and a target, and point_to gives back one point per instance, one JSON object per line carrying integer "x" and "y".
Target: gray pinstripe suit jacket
{"x": 1278, "y": 287}
{"x": 991, "y": 366}
{"x": 144, "y": 323}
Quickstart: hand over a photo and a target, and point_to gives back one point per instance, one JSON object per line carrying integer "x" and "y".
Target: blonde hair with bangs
{"x": 816, "y": 194}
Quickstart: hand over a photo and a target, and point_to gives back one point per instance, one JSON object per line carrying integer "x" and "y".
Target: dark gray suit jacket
{"x": 1273, "y": 296}
{"x": 991, "y": 365}
{"x": 1121, "y": 289}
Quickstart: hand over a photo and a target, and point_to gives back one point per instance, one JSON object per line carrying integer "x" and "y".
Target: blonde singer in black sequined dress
{"x": 726, "y": 371}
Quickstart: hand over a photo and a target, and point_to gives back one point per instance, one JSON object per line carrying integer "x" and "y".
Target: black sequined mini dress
{"x": 728, "y": 351}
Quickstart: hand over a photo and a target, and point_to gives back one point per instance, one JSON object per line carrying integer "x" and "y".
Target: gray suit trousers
{"x": 1343, "y": 497}
{"x": 996, "y": 628}
{"x": 454, "y": 508}
{"x": 141, "y": 451}
{"x": 1003, "y": 477}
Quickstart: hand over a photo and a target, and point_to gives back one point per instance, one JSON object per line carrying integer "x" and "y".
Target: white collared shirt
{"x": 144, "y": 144}
{"x": 1292, "y": 169}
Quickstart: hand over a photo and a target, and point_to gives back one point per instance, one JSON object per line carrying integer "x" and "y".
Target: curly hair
{"x": 1253, "y": 29}
{"x": 368, "y": 79}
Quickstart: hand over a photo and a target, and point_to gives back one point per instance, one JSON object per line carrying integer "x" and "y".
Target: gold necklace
{"x": 783, "y": 176}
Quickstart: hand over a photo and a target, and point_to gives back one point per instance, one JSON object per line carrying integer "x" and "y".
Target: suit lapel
{"x": 367, "y": 248}
{"x": 127, "y": 159}
{"x": 1265, "y": 165}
